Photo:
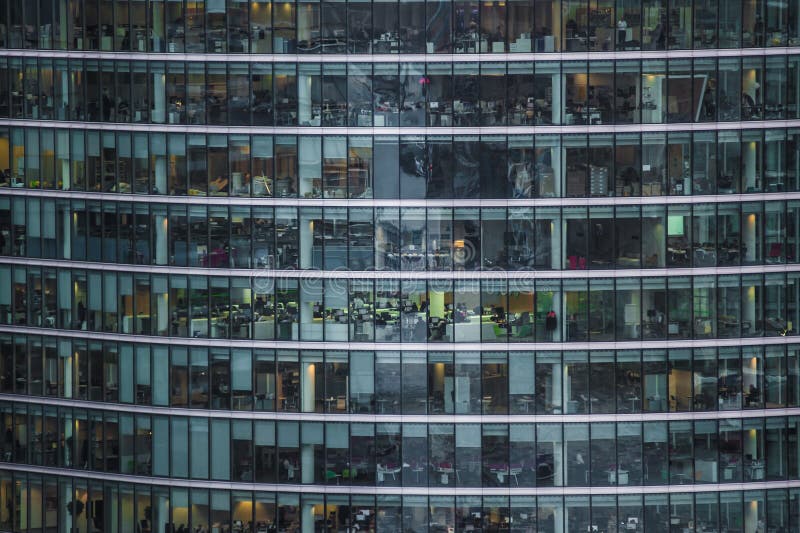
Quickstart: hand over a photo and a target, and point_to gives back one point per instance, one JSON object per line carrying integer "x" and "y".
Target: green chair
{"x": 331, "y": 475}
{"x": 525, "y": 331}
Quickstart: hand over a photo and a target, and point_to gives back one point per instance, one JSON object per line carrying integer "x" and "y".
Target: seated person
{"x": 218, "y": 185}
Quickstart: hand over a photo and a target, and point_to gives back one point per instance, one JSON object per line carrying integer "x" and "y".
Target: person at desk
{"x": 572, "y": 28}
{"x": 579, "y": 468}
{"x": 420, "y": 330}
{"x": 498, "y": 314}
{"x": 709, "y": 108}
{"x": 499, "y": 35}
{"x": 657, "y": 38}
{"x": 752, "y": 395}
{"x": 748, "y": 106}
{"x": 123, "y": 110}
{"x": 460, "y": 314}
{"x": 438, "y": 329}
{"x": 219, "y": 185}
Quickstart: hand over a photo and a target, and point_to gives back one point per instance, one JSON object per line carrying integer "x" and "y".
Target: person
{"x": 246, "y": 182}
{"x": 289, "y": 469}
{"x": 572, "y": 28}
{"x": 420, "y": 330}
{"x": 580, "y": 468}
{"x": 657, "y": 38}
{"x": 758, "y": 32}
{"x": 81, "y": 314}
{"x": 85, "y": 453}
{"x": 8, "y": 445}
{"x": 108, "y": 105}
{"x": 622, "y": 31}
{"x": 752, "y": 395}
{"x": 748, "y": 105}
{"x": 499, "y": 34}
{"x": 708, "y": 103}
{"x": 550, "y": 323}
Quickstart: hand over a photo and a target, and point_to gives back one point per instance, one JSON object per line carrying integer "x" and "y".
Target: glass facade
{"x": 328, "y": 266}
{"x": 475, "y": 166}
{"x": 405, "y": 95}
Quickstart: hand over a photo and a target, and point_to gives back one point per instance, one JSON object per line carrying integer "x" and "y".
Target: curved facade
{"x": 524, "y": 266}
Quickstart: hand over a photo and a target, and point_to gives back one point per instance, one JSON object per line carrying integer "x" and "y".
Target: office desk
{"x": 500, "y": 471}
{"x": 388, "y": 470}
{"x": 445, "y": 472}
{"x": 386, "y": 45}
{"x": 755, "y": 471}
{"x": 635, "y": 402}
{"x": 526, "y": 403}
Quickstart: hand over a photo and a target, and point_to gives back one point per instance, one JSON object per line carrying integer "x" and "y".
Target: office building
{"x": 520, "y": 265}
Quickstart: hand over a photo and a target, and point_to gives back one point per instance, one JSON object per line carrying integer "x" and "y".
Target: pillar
{"x": 555, "y": 162}
{"x": 157, "y": 40}
{"x": 68, "y": 438}
{"x": 558, "y": 86}
{"x": 749, "y": 167}
{"x": 436, "y": 303}
{"x": 561, "y": 330}
{"x": 304, "y": 99}
{"x": 66, "y": 234}
{"x": 161, "y": 230}
{"x": 751, "y": 516}
{"x": 555, "y": 242}
{"x": 65, "y": 487}
{"x": 749, "y": 305}
{"x": 307, "y": 518}
{"x": 63, "y": 20}
{"x": 556, "y": 390}
{"x": 65, "y": 177}
{"x": 307, "y": 467}
{"x": 162, "y": 301}
{"x": 308, "y": 386}
{"x": 306, "y": 241}
{"x": 161, "y": 516}
{"x": 749, "y": 446}
{"x": 380, "y": 237}
{"x": 67, "y": 366}
{"x": 558, "y": 466}
{"x": 159, "y": 96}
{"x": 749, "y": 234}
{"x": 161, "y": 174}
{"x": 22, "y": 509}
